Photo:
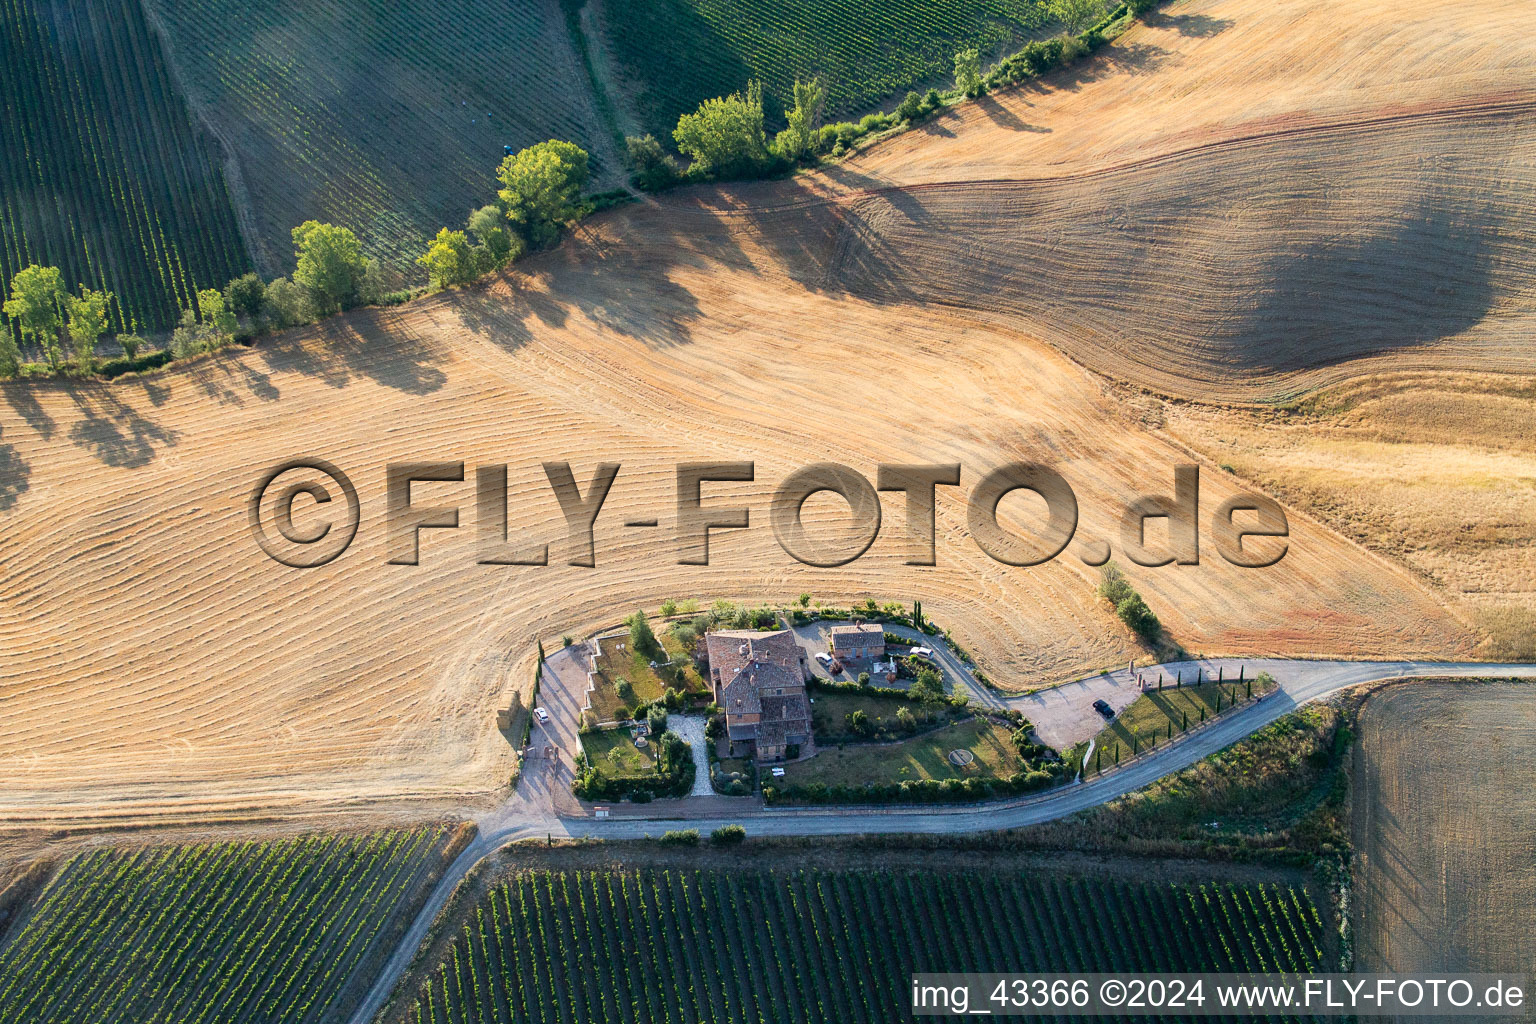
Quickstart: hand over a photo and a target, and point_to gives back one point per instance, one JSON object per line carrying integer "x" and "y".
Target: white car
{"x": 922, "y": 652}
{"x": 778, "y": 773}
{"x": 824, "y": 657}
{"x": 543, "y": 715}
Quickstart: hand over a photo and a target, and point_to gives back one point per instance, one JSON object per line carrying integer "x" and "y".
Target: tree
{"x": 1133, "y": 611}
{"x": 725, "y": 135}
{"x": 245, "y": 295}
{"x": 541, "y": 187}
{"x": 10, "y": 355}
{"x": 210, "y": 327}
{"x": 449, "y": 259}
{"x": 87, "y": 323}
{"x": 656, "y": 721}
{"x": 906, "y": 719}
{"x": 130, "y": 343}
{"x": 911, "y": 107}
{"x": 287, "y": 304}
{"x": 190, "y": 336}
{"x": 640, "y": 636}
{"x": 929, "y": 685}
{"x": 1075, "y": 15}
{"x": 370, "y": 288}
{"x": 1113, "y": 586}
{"x": 489, "y": 226}
{"x": 213, "y": 312}
{"x": 804, "y": 119}
{"x": 863, "y": 678}
{"x": 968, "y": 72}
{"x": 34, "y": 302}
{"x": 858, "y": 722}
{"x": 654, "y": 169}
{"x": 330, "y": 265}
{"x": 626, "y": 691}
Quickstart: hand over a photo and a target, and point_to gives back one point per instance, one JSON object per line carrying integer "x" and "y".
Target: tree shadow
{"x": 227, "y": 381}
{"x": 373, "y": 344}
{"x": 15, "y": 474}
{"x": 1005, "y": 118}
{"x": 1196, "y": 26}
{"x": 618, "y": 271}
{"x": 116, "y": 433}
{"x": 21, "y": 397}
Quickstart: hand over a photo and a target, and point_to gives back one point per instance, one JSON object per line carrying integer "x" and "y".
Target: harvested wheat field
{"x": 159, "y": 665}
{"x": 1437, "y": 471}
{"x": 1442, "y": 821}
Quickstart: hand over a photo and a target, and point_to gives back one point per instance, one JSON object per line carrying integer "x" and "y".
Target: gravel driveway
{"x": 691, "y": 728}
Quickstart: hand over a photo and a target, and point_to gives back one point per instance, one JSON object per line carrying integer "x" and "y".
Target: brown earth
{"x": 1436, "y": 470}
{"x": 1442, "y": 823}
{"x": 157, "y": 664}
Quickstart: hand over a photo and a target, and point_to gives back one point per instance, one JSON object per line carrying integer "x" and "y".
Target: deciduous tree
{"x": 489, "y": 226}
{"x": 287, "y": 304}
{"x": 968, "y": 71}
{"x": 34, "y": 302}
{"x": 1076, "y": 15}
{"x": 449, "y": 259}
{"x": 541, "y": 187}
{"x": 244, "y": 296}
{"x": 87, "y": 323}
{"x": 654, "y": 168}
{"x": 330, "y": 265}
{"x": 804, "y": 119}
{"x": 725, "y": 135}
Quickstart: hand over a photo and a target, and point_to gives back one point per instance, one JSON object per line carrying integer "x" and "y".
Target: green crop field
{"x": 673, "y": 946}
{"x": 227, "y": 932}
{"x": 676, "y": 53}
{"x": 386, "y": 118}
{"x": 102, "y": 172}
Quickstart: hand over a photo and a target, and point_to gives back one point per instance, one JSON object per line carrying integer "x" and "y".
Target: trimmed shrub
{"x": 680, "y": 837}
{"x": 728, "y": 835}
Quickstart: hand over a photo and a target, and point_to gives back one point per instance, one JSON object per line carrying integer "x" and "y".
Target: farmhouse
{"x": 860, "y": 640}
{"x": 759, "y": 682}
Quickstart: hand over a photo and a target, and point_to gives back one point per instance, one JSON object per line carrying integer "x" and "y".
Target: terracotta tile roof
{"x": 857, "y": 636}
{"x": 748, "y": 665}
{"x": 730, "y": 649}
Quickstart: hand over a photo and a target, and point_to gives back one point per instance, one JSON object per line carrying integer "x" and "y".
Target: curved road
{"x": 1299, "y": 683}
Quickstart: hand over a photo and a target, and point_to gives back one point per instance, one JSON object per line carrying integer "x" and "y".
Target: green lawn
{"x": 1152, "y": 714}
{"x": 649, "y": 683}
{"x": 614, "y": 751}
{"x": 830, "y": 710}
{"x": 923, "y": 757}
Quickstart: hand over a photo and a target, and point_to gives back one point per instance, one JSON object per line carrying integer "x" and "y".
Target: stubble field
{"x": 160, "y": 665}
{"x": 1442, "y": 819}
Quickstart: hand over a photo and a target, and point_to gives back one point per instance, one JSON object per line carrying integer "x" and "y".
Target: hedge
{"x": 917, "y": 791}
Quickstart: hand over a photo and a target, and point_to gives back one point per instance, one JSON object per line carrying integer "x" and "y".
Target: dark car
{"x": 1103, "y": 708}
